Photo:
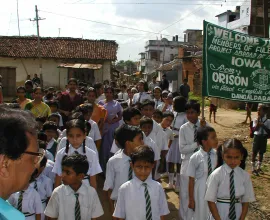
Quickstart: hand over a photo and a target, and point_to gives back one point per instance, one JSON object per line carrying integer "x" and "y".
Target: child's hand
{"x": 191, "y": 204}
{"x": 203, "y": 122}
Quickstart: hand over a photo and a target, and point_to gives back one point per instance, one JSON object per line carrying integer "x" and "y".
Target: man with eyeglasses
{"x": 19, "y": 156}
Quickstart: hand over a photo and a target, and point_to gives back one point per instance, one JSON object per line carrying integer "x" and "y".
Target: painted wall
{"x": 104, "y": 73}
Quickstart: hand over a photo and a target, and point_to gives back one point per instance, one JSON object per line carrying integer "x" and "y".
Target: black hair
{"x": 43, "y": 162}
{"x": 75, "y": 123}
{"x": 54, "y": 115}
{"x": 147, "y": 102}
{"x": 53, "y": 103}
{"x": 145, "y": 85}
{"x": 167, "y": 114}
{"x": 41, "y": 119}
{"x": 77, "y": 115}
{"x": 124, "y": 86}
{"x": 29, "y": 83}
{"x": 38, "y": 88}
{"x": 42, "y": 136}
{"x": 91, "y": 89}
{"x": 98, "y": 85}
{"x": 146, "y": 120}
{"x": 126, "y": 133}
{"x": 77, "y": 162}
{"x": 84, "y": 108}
{"x": 179, "y": 104}
{"x": 158, "y": 112}
{"x": 193, "y": 104}
{"x": 143, "y": 153}
{"x": 109, "y": 88}
{"x": 42, "y": 144}
{"x": 49, "y": 96}
{"x": 203, "y": 133}
{"x": 50, "y": 125}
{"x": 21, "y": 88}
{"x": 14, "y": 124}
{"x": 231, "y": 144}
{"x": 73, "y": 80}
{"x": 87, "y": 127}
{"x": 129, "y": 113}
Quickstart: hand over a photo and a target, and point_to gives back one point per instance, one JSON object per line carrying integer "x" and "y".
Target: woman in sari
{"x": 114, "y": 115}
{"x": 21, "y": 100}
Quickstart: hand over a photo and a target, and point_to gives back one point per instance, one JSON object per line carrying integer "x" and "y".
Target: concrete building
{"x": 247, "y": 18}
{"x": 61, "y": 58}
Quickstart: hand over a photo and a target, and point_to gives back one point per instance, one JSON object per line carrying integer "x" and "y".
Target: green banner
{"x": 236, "y": 66}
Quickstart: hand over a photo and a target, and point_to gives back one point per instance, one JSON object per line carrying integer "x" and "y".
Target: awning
{"x": 80, "y": 66}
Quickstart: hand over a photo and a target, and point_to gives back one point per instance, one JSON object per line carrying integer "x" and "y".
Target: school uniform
{"x": 169, "y": 134}
{"x": 161, "y": 106}
{"x": 61, "y": 124}
{"x": 157, "y": 102}
{"x": 131, "y": 203}
{"x": 140, "y": 96}
{"x": 123, "y": 95}
{"x": 173, "y": 155}
{"x": 218, "y": 190}
{"x": 198, "y": 169}
{"x": 260, "y": 136}
{"x": 117, "y": 173}
{"x": 92, "y": 158}
{"x": 31, "y": 203}
{"x": 94, "y": 132}
{"x": 48, "y": 170}
{"x": 49, "y": 155}
{"x": 52, "y": 147}
{"x": 89, "y": 143}
{"x": 62, "y": 203}
{"x": 187, "y": 146}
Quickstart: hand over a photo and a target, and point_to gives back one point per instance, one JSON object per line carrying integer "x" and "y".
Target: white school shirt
{"x": 157, "y": 102}
{"x": 116, "y": 173}
{"x": 144, "y": 96}
{"x": 94, "y": 166}
{"x": 261, "y": 131}
{"x": 157, "y": 135}
{"x": 218, "y": 186}
{"x": 131, "y": 204}
{"x": 31, "y": 203}
{"x": 89, "y": 143}
{"x": 49, "y": 155}
{"x": 123, "y": 96}
{"x": 169, "y": 134}
{"x": 45, "y": 187}
{"x": 94, "y": 132}
{"x": 48, "y": 170}
{"x": 169, "y": 107}
{"x": 101, "y": 97}
{"x": 62, "y": 203}
{"x": 61, "y": 124}
{"x": 198, "y": 163}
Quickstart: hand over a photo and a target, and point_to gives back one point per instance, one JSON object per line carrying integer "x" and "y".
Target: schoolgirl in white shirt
{"x": 74, "y": 199}
{"x": 141, "y": 95}
{"x": 229, "y": 188}
{"x": 201, "y": 164}
{"x": 76, "y": 135}
{"x": 157, "y": 96}
{"x": 28, "y": 202}
{"x": 187, "y": 146}
{"x": 173, "y": 156}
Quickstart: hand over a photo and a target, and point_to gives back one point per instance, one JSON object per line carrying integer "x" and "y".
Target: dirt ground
{"x": 229, "y": 125}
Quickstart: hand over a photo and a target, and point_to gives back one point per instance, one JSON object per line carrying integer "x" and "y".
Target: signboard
{"x": 236, "y": 66}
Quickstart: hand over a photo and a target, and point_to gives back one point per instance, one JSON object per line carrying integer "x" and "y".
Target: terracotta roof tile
{"x": 59, "y": 48}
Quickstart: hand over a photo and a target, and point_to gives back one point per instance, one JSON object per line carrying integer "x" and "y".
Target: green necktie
{"x": 20, "y": 201}
{"x": 232, "y": 213}
{"x": 148, "y": 202}
{"x": 77, "y": 207}
{"x": 35, "y": 186}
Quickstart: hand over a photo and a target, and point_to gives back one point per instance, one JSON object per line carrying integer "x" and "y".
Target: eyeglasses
{"x": 39, "y": 155}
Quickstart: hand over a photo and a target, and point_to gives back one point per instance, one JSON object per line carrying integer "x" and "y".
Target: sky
{"x": 142, "y": 19}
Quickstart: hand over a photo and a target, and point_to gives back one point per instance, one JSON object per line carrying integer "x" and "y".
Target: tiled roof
{"x": 58, "y": 48}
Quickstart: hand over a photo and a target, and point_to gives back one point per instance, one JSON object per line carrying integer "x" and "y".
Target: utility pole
{"x": 265, "y": 18}
{"x": 36, "y": 19}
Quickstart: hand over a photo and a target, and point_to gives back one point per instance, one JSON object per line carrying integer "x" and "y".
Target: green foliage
{"x": 199, "y": 99}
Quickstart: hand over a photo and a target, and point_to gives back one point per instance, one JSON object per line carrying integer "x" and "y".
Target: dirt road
{"x": 229, "y": 125}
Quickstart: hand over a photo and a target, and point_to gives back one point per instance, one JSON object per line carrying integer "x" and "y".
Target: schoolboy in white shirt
{"x": 187, "y": 146}
{"x": 123, "y": 94}
{"x": 141, "y": 95}
{"x": 28, "y": 202}
{"x": 118, "y": 167}
{"x": 141, "y": 198}
{"x": 74, "y": 199}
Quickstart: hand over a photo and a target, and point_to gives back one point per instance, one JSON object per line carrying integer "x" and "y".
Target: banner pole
{"x": 203, "y": 104}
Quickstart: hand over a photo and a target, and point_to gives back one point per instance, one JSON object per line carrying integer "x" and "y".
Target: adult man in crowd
{"x": 184, "y": 89}
{"x": 164, "y": 84}
{"x": 153, "y": 84}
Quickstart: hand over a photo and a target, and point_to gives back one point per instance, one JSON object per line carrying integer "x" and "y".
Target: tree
{"x": 127, "y": 66}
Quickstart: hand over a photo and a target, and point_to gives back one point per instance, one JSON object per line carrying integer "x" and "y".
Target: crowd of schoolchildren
{"x": 133, "y": 139}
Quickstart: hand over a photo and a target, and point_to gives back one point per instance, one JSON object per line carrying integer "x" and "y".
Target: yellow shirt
{"x": 39, "y": 110}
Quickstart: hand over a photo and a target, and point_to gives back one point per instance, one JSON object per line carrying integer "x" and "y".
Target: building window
{"x": 154, "y": 55}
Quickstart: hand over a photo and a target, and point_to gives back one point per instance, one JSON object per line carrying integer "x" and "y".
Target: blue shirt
{"x": 8, "y": 212}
